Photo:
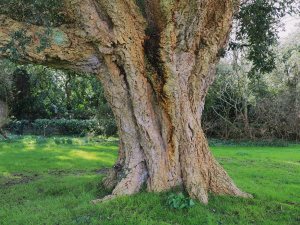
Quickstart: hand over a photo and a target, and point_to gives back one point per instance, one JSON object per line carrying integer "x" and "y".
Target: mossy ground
{"x": 53, "y": 180}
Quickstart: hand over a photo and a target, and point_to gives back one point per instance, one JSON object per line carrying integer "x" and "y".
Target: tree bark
{"x": 3, "y": 134}
{"x": 3, "y": 118}
{"x": 155, "y": 62}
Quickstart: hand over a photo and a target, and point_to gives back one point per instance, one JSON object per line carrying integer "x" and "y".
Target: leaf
{"x": 191, "y": 203}
{"x": 180, "y": 195}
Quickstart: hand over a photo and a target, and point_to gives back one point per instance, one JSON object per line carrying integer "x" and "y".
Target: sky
{"x": 291, "y": 25}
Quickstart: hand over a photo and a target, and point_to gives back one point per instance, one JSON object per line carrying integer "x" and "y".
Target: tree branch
{"x": 91, "y": 17}
{"x": 58, "y": 47}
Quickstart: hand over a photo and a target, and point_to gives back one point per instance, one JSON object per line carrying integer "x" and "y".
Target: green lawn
{"x": 46, "y": 181}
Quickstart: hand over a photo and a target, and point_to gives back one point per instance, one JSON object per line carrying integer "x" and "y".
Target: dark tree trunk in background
{"x": 3, "y": 118}
{"x": 3, "y": 133}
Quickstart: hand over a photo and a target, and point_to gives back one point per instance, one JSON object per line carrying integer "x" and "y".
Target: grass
{"x": 51, "y": 181}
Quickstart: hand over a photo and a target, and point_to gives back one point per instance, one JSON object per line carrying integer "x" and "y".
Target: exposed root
{"x": 210, "y": 177}
{"x": 110, "y": 181}
{"x": 226, "y": 188}
{"x": 198, "y": 192}
{"x": 129, "y": 185}
{"x": 201, "y": 174}
{"x": 106, "y": 198}
{"x": 222, "y": 184}
{"x": 244, "y": 195}
{"x": 132, "y": 182}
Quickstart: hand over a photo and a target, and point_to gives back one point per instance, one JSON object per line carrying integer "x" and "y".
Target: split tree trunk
{"x": 156, "y": 61}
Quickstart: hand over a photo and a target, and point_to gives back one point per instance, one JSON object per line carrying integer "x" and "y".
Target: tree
{"x": 284, "y": 95}
{"x": 257, "y": 27}
{"x": 156, "y": 60}
{"x": 5, "y": 93}
{"x": 229, "y": 102}
{"x": 3, "y": 117}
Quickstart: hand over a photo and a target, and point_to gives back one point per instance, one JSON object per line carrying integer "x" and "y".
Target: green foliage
{"x": 44, "y": 40}
{"x": 58, "y": 141}
{"x": 62, "y": 141}
{"x": 37, "y": 92}
{"x": 63, "y": 127}
{"x": 40, "y": 12}
{"x": 18, "y": 127}
{"x": 41, "y": 140}
{"x": 49, "y": 13}
{"x": 238, "y": 107}
{"x": 17, "y": 46}
{"x": 258, "y": 25}
{"x": 6, "y": 68}
{"x": 179, "y": 201}
{"x": 107, "y": 127}
{"x": 257, "y": 143}
{"x": 85, "y": 219}
{"x": 54, "y": 184}
{"x": 69, "y": 141}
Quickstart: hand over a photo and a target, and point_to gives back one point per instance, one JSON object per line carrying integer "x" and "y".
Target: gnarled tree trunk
{"x": 156, "y": 60}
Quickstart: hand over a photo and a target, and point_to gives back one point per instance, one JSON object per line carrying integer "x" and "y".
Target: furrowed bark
{"x": 129, "y": 172}
{"x": 156, "y": 63}
{"x": 189, "y": 47}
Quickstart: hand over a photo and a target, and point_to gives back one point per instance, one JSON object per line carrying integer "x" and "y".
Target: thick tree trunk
{"x": 163, "y": 92}
{"x": 164, "y": 147}
{"x": 156, "y": 61}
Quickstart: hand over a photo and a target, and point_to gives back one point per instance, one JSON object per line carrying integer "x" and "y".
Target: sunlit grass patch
{"x": 53, "y": 182}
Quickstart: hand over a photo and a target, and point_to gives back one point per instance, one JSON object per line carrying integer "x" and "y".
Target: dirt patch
{"x": 103, "y": 171}
{"x": 20, "y": 178}
{"x": 291, "y": 203}
{"x": 67, "y": 172}
{"x": 17, "y": 178}
{"x": 77, "y": 172}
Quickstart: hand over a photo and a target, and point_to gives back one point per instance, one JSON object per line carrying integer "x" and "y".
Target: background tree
{"x": 5, "y": 93}
{"x": 272, "y": 99}
{"x": 278, "y": 112}
{"x": 3, "y": 117}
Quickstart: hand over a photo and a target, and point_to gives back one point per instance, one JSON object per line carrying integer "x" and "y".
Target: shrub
{"x": 69, "y": 141}
{"x": 64, "y": 127}
{"x": 260, "y": 143}
{"x": 106, "y": 127}
{"x": 18, "y": 126}
{"x": 179, "y": 201}
{"x": 41, "y": 140}
{"x": 57, "y": 141}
